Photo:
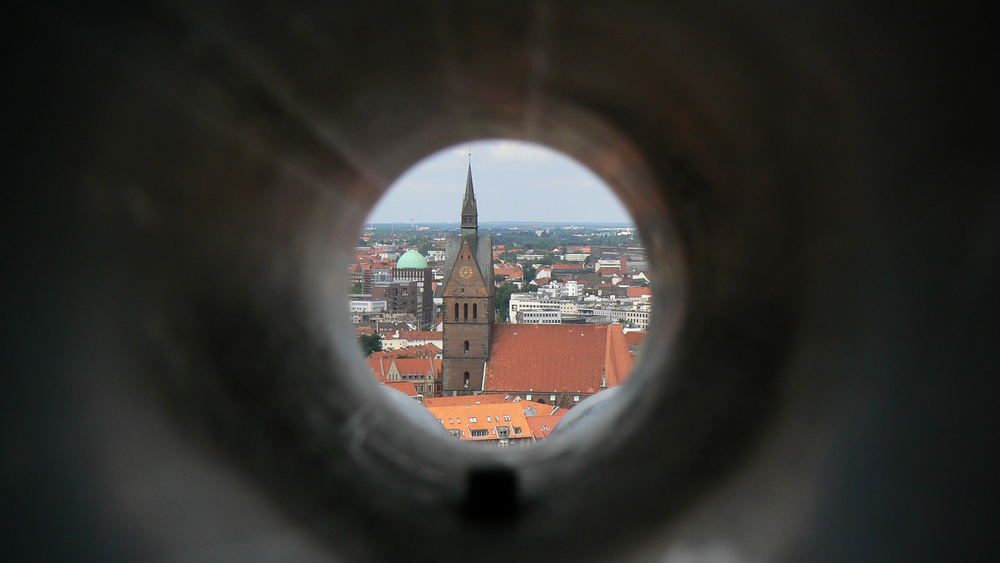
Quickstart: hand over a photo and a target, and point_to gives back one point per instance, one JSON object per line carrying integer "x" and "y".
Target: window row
{"x": 462, "y": 312}
{"x": 502, "y": 432}
{"x": 490, "y": 418}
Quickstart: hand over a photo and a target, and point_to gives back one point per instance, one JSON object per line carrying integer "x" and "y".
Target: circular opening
{"x": 406, "y": 461}
{"x": 502, "y": 288}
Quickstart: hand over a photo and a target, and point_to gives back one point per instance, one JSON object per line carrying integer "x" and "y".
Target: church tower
{"x": 468, "y": 297}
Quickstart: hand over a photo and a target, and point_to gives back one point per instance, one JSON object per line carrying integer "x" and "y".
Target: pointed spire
{"x": 470, "y": 216}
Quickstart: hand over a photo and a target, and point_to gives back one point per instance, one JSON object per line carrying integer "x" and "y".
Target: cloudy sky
{"x": 514, "y": 181}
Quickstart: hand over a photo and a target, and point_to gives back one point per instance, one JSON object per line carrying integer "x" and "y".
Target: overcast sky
{"x": 514, "y": 181}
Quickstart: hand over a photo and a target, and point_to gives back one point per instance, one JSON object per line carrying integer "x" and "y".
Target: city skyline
{"x": 515, "y": 182}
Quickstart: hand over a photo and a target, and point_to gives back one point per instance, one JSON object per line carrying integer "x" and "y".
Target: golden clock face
{"x": 465, "y": 272}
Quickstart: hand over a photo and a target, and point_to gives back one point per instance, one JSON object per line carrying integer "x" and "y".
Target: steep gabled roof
{"x": 557, "y": 358}
{"x": 483, "y": 255}
{"x": 481, "y": 285}
{"x": 381, "y": 366}
{"x": 417, "y": 366}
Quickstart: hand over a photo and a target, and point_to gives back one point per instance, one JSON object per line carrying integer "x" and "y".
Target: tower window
{"x": 475, "y": 310}
{"x": 465, "y": 380}
{"x": 465, "y": 311}
{"x": 466, "y": 347}
{"x": 456, "y": 311}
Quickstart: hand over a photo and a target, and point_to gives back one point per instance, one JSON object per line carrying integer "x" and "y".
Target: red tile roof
{"x": 542, "y": 426}
{"x": 635, "y": 338}
{"x": 418, "y": 366}
{"x": 466, "y": 418}
{"x": 556, "y": 358}
{"x": 404, "y": 386}
{"x": 467, "y": 400}
{"x": 419, "y": 351}
{"x": 532, "y": 408}
{"x": 381, "y": 367}
{"x": 487, "y": 416}
{"x": 639, "y": 291}
{"x": 509, "y": 270}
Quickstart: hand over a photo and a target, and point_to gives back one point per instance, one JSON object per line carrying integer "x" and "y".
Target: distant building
{"x": 423, "y": 373}
{"x": 365, "y": 304}
{"x": 511, "y": 272}
{"x": 412, "y": 267}
{"x": 400, "y": 297}
{"x": 552, "y": 304}
{"x": 409, "y": 338}
{"x": 416, "y": 351}
{"x": 364, "y": 308}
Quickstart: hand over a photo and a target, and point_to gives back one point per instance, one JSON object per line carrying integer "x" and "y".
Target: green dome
{"x": 411, "y": 259}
